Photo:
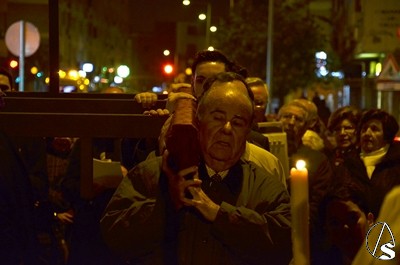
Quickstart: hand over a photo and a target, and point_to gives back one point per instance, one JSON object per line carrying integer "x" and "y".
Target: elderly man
{"x": 295, "y": 120}
{"x": 235, "y": 213}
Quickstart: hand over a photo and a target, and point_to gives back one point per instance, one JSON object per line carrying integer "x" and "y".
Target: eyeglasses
{"x": 346, "y": 129}
{"x": 290, "y": 116}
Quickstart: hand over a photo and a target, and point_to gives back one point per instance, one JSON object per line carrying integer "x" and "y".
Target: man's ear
{"x": 370, "y": 219}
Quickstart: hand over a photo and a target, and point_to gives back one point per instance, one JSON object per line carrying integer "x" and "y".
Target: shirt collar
{"x": 211, "y": 172}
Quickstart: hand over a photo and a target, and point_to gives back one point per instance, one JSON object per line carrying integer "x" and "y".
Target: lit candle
{"x": 300, "y": 213}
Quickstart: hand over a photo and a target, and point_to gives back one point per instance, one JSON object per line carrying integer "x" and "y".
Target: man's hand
{"x": 147, "y": 99}
{"x": 177, "y": 184}
{"x": 65, "y": 217}
{"x": 174, "y": 95}
{"x": 157, "y": 112}
{"x": 203, "y": 203}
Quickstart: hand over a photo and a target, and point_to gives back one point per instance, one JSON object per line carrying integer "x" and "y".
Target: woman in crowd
{"x": 343, "y": 123}
{"x": 377, "y": 169}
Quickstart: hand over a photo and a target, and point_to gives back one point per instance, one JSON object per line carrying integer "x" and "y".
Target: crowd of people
{"x": 233, "y": 206}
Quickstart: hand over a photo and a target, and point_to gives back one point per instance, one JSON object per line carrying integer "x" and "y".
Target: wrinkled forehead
{"x": 294, "y": 110}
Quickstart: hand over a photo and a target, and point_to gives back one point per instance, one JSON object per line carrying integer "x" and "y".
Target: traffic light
{"x": 168, "y": 69}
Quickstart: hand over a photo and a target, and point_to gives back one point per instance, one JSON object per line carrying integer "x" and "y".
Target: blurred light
{"x": 156, "y": 89}
{"x": 165, "y": 92}
{"x": 322, "y": 70}
{"x": 82, "y": 73}
{"x": 104, "y": 69}
{"x": 368, "y": 55}
{"x": 47, "y": 80}
{"x": 202, "y": 16}
{"x": 397, "y": 139}
{"x": 87, "y": 67}
{"x": 34, "y": 70}
{"x": 186, "y": 2}
{"x": 96, "y": 79}
{"x": 213, "y": 28}
{"x": 17, "y": 80}
{"x": 40, "y": 74}
{"x": 339, "y": 75}
{"x": 73, "y": 74}
{"x": 123, "y": 71}
{"x": 321, "y": 55}
{"x": 68, "y": 89}
{"x": 13, "y": 63}
{"x": 211, "y": 48}
{"x": 62, "y": 74}
{"x": 168, "y": 69}
{"x": 111, "y": 70}
{"x": 378, "y": 69}
{"x": 104, "y": 80}
{"x": 118, "y": 79}
{"x": 81, "y": 87}
{"x": 188, "y": 71}
{"x": 86, "y": 82}
{"x": 166, "y": 52}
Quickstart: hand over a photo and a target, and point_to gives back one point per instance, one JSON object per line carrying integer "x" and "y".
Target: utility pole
{"x": 270, "y": 46}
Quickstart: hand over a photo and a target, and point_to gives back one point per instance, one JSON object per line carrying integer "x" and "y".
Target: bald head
{"x": 225, "y": 113}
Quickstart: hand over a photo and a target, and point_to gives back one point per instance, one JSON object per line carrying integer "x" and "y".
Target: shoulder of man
{"x": 145, "y": 175}
{"x": 260, "y": 156}
{"x": 258, "y": 183}
{"x": 256, "y": 173}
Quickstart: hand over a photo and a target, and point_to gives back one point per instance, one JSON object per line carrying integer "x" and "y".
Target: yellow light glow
{"x": 300, "y": 164}
{"x": 202, "y": 16}
{"x": 47, "y": 80}
{"x": 13, "y": 63}
{"x": 34, "y": 70}
{"x": 73, "y": 74}
{"x": 188, "y": 71}
{"x": 378, "y": 69}
{"x": 62, "y": 74}
{"x": 86, "y": 82}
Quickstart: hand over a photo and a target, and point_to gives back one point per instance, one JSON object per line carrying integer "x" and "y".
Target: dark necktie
{"x": 215, "y": 180}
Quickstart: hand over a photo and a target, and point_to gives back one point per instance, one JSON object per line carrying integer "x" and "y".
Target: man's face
{"x": 260, "y": 102}
{"x": 204, "y": 71}
{"x": 225, "y": 123}
{"x": 293, "y": 119}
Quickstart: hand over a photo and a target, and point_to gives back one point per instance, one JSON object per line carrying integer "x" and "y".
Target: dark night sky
{"x": 145, "y": 13}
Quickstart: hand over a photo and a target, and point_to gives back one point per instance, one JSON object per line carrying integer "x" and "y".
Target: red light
{"x": 13, "y": 63}
{"x": 168, "y": 69}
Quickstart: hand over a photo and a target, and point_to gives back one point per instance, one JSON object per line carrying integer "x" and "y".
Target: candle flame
{"x": 300, "y": 164}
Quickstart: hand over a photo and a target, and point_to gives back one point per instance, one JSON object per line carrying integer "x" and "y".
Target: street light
{"x": 206, "y": 17}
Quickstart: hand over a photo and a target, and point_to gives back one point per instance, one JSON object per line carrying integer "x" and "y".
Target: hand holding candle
{"x": 300, "y": 213}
